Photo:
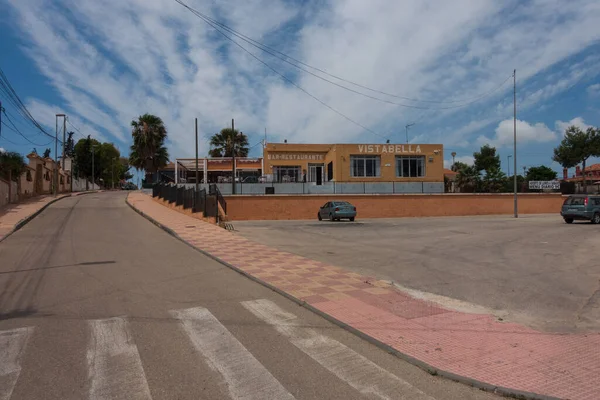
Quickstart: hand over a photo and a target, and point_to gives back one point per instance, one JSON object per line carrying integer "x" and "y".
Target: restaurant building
{"x": 320, "y": 163}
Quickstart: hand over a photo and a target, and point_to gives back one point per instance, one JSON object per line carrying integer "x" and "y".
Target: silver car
{"x": 336, "y": 210}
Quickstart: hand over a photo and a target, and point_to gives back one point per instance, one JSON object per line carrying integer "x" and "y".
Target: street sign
{"x": 539, "y": 185}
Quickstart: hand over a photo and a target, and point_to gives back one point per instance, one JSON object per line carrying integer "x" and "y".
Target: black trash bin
{"x": 269, "y": 190}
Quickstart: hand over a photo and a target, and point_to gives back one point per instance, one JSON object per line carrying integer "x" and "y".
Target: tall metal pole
{"x": 408, "y": 126}
{"x": 93, "y": 180}
{"x": 515, "y": 139}
{"x": 55, "y": 177}
{"x": 62, "y": 161}
{"x": 197, "y": 172}
{"x": 233, "y": 157}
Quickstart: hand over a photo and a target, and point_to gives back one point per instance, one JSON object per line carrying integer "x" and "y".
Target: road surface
{"x": 98, "y": 303}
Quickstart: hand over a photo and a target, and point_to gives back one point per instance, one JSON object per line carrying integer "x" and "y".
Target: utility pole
{"x": 233, "y": 157}
{"x": 55, "y": 171}
{"x": 197, "y": 172}
{"x": 515, "y": 139}
{"x": 93, "y": 180}
{"x": 62, "y": 161}
{"x": 408, "y": 126}
{"x": 508, "y": 162}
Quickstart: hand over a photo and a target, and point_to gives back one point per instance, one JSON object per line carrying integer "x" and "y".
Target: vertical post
{"x": 197, "y": 172}
{"x": 55, "y": 177}
{"x": 62, "y": 161}
{"x": 233, "y": 158}
{"x": 515, "y": 139}
{"x": 93, "y": 180}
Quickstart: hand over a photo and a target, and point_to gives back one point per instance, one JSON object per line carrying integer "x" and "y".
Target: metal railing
{"x": 189, "y": 198}
{"x": 213, "y": 189}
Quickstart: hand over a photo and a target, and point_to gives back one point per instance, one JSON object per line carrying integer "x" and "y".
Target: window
{"x": 287, "y": 174}
{"x": 410, "y": 167}
{"x": 330, "y": 171}
{"x": 365, "y": 166}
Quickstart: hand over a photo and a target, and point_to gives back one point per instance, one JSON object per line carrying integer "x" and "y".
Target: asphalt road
{"x": 98, "y": 303}
{"x": 534, "y": 270}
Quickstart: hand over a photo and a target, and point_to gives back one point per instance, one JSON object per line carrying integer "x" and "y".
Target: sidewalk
{"x": 472, "y": 348}
{"x": 13, "y": 215}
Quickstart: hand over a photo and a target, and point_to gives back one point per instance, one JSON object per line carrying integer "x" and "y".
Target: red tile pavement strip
{"x": 12, "y": 214}
{"x": 473, "y": 347}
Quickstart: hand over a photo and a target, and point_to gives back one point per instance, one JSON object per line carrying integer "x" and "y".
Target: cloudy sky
{"x": 443, "y": 66}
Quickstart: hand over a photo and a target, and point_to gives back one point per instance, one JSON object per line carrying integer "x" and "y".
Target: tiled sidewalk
{"x": 12, "y": 214}
{"x": 472, "y": 347}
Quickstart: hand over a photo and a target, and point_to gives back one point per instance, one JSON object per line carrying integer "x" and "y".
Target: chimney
{"x": 565, "y": 173}
{"x": 578, "y": 171}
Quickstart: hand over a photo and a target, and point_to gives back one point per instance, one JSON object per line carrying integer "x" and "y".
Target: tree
{"x": 47, "y": 153}
{"x": 229, "y": 142}
{"x": 12, "y": 165}
{"x": 468, "y": 179}
{"x": 541, "y": 173}
{"x": 576, "y": 147}
{"x": 457, "y": 166}
{"x": 70, "y": 145}
{"x": 148, "y": 151}
{"x": 486, "y": 159}
{"x": 493, "y": 181}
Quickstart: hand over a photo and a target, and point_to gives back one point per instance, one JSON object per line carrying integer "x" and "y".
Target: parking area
{"x": 535, "y": 270}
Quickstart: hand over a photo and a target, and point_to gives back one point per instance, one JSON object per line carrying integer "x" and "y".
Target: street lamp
{"x": 453, "y": 162}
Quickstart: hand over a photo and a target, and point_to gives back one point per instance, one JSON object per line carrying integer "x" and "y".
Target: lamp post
{"x": 408, "y": 126}
{"x": 453, "y": 162}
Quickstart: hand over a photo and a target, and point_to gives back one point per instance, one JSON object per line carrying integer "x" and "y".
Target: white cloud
{"x": 594, "y": 90}
{"x": 529, "y": 132}
{"x": 2, "y": 150}
{"x": 114, "y": 60}
{"x": 561, "y": 126}
{"x": 469, "y": 160}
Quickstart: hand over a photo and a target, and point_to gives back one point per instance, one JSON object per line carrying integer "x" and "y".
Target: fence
{"x": 190, "y": 199}
{"x": 328, "y": 188}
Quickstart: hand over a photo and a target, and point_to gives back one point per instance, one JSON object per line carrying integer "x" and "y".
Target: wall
{"x": 4, "y": 189}
{"x": 301, "y": 155}
{"x": 27, "y": 187}
{"x": 390, "y": 206}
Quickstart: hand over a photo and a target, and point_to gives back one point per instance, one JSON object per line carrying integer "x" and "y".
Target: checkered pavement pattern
{"x": 475, "y": 346}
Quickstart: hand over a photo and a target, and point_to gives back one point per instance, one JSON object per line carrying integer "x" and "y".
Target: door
{"x": 315, "y": 173}
{"x": 324, "y": 211}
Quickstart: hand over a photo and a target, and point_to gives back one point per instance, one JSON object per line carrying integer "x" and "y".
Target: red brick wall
{"x": 388, "y": 206}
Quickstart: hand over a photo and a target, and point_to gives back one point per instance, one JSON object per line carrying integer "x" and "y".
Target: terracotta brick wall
{"x": 388, "y": 206}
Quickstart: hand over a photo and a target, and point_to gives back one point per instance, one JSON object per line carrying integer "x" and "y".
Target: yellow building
{"x": 320, "y": 163}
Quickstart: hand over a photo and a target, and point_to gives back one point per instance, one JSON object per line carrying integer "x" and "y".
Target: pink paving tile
{"x": 471, "y": 345}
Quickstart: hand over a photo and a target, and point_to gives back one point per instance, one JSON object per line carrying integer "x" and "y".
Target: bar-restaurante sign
{"x": 296, "y": 156}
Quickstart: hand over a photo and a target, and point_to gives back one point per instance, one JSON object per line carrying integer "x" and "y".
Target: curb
{"x": 504, "y": 391}
{"x": 25, "y": 220}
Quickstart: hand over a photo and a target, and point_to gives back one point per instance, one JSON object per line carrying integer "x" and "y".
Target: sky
{"x": 445, "y": 67}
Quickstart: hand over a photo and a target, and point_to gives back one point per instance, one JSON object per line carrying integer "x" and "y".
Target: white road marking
{"x": 357, "y": 371}
{"x": 12, "y": 347}
{"x": 114, "y": 367}
{"x": 245, "y": 376}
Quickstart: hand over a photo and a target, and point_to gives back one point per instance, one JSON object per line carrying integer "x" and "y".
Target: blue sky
{"x": 105, "y": 63}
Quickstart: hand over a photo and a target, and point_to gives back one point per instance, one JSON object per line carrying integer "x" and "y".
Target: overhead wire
{"x": 7, "y": 89}
{"x": 285, "y": 58}
{"x": 291, "y": 82}
{"x": 16, "y": 130}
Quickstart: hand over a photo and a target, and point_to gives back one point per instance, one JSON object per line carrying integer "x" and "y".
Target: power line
{"x": 285, "y": 58}
{"x": 16, "y": 130}
{"x": 7, "y": 89}
{"x": 281, "y": 75}
{"x": 76, "y": 129}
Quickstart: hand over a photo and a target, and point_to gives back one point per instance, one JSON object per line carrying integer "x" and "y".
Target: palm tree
{"x": 148, "y": 152}
{"x": 227, "y": 143}
{"x": 468, "y": 179}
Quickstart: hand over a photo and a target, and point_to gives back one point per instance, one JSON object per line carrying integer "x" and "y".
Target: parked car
{"x": 336, "y": 210}
{"x": 582, "y": 208}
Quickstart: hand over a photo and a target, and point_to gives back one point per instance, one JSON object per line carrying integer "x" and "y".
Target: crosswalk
{"x": 115, "y": 369}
